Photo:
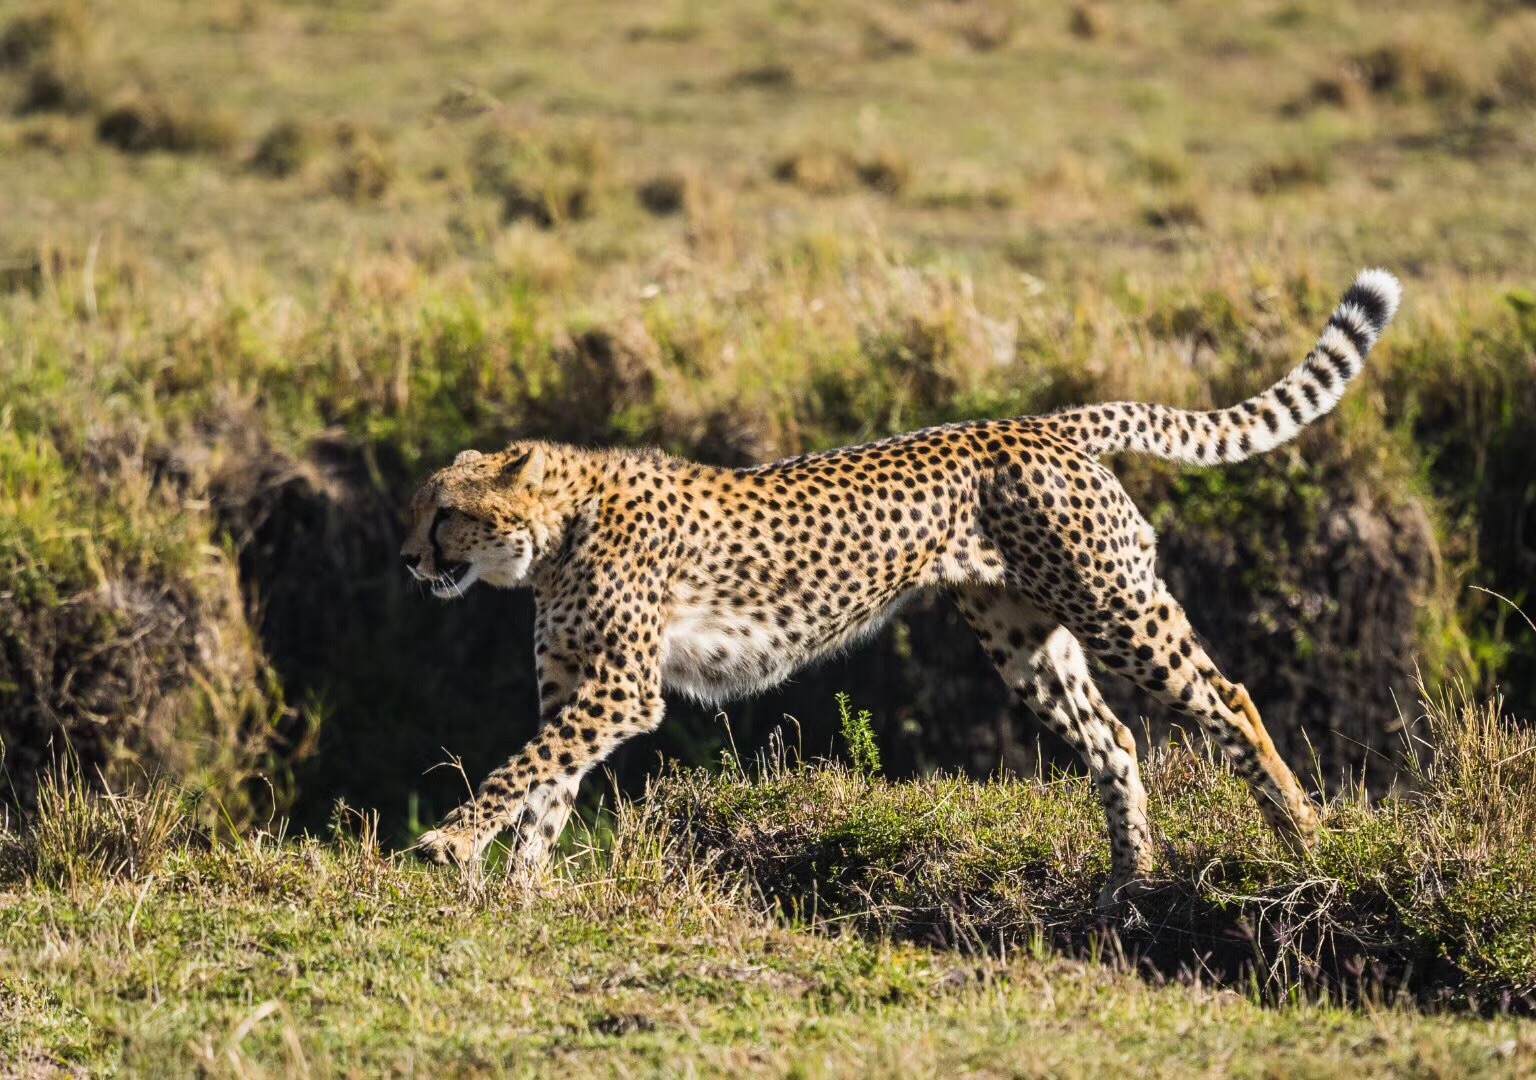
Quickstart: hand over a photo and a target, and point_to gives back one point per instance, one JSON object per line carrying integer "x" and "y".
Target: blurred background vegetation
{"x": 267, "y": 262}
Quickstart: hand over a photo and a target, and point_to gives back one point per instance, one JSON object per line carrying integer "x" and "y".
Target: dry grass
{"x": 80, "y": 836}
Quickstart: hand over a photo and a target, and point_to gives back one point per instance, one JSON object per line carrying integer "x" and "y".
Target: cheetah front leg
{"x": 616, "y": 695}
{"x": 534, "y": 792}
{"x": 544, "y": 819}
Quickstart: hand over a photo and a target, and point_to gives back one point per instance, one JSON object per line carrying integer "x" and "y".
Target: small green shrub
{"x": 859, "y": 734}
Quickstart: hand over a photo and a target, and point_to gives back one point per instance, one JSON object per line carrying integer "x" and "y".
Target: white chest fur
{"x": 714, "y": 653}
{"x": 715, "y": 650}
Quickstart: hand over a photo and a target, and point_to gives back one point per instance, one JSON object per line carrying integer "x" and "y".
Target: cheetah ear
{"x": 527, "y": 468}
{"x": 467, "y": 455}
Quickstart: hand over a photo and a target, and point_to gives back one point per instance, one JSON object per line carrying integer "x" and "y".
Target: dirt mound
{"x": 1326, "y": 637}
{"x": 139, "y": 676}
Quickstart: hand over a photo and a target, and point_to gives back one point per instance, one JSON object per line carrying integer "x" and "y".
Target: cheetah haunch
{"x": 651, "y": 573}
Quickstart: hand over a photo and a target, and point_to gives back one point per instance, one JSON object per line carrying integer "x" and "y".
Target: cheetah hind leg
{"x": 1045, "y": 666}
{"x": 1164, "y": 658}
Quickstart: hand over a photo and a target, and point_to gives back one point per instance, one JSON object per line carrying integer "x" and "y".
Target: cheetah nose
{"x": 411, "y": 561}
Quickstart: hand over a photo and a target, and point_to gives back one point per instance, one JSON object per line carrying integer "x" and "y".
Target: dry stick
{"x": 137, "y": 906}
{"x": 90, "y": 276}
{"x": 1510, "y": 602}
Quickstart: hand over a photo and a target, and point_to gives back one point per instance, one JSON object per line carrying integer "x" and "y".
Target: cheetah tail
{"x": 1265, "y": 420}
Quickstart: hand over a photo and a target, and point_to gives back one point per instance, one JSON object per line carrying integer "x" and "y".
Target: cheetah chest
{"x": 725, "y": 649}
{"x": 716, "y": 652}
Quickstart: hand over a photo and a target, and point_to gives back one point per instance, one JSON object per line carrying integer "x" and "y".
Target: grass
{"x": 676, "y": 935}
{"x": 1421, "y": 894}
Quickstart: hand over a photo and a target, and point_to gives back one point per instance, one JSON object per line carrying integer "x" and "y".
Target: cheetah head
{"x": 486, "y": 517}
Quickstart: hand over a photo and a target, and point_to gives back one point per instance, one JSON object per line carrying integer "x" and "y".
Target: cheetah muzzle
{"x": 651, "y": 572}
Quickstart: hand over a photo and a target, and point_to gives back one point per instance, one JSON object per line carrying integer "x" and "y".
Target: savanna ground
{"x": 788, "y": 917}
{"x": 266, "y": 263}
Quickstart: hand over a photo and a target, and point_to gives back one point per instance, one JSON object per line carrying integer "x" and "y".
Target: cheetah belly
{"x": 716, "y": 653}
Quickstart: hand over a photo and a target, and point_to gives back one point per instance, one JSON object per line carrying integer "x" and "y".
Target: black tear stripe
{"x": 437, "y": 552}
{"x": 1371, "y": 303}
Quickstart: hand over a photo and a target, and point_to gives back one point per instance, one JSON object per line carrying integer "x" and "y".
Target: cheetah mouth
{"x": 455, "y": 580}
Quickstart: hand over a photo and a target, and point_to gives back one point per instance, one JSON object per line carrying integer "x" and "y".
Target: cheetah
{"x": 652, "y": 573}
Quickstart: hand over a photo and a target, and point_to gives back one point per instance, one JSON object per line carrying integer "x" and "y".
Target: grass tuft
{"x": 663, "y": 194}
{"x": 1178, "y": 211}
{"x": 146, "y": 123}
{"x": 1088, "y": 21}
{"x": 1517, "y": 73}
{"x": 79, "y": 835}
{"x": 544, "y": 178}
{"x": 283, "y": 150}
{"x": 34, "y": 35}
{"x": 365, "y": 169}
{"x": 1288, "y": 173}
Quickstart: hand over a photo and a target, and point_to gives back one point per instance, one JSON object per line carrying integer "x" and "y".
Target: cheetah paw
{"x": 445, "y": 848}
{"x": 1117, "y": 895}
{"x": 1297, "y": 826}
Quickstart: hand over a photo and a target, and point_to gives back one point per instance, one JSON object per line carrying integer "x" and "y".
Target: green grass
{"x": 1424, "y": 894}
{"x": 805, "y": 919}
